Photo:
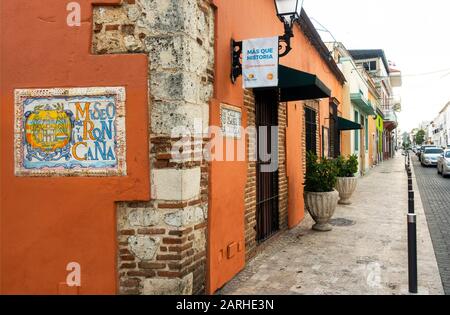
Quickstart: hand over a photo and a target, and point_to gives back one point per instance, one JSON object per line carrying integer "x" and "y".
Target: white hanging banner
{"x": 260, "y": 62}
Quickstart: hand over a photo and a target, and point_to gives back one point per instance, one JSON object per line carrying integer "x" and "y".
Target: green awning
{"x": 296, "y": 85}
{"x": 344, "y": 124}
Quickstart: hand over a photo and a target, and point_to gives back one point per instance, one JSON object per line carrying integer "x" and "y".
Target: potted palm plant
{"x": 346, "y": 180}
{"x": 321, "y": 198}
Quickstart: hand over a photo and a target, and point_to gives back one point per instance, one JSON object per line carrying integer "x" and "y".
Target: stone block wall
{"x": 162, "y": 243}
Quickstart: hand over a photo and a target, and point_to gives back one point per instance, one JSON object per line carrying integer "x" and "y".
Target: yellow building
{"x": 373, "y": 134}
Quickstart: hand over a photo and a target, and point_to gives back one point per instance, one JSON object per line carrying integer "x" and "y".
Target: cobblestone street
{"x": 435, "y": 193}
{"x": 366, "y": 253}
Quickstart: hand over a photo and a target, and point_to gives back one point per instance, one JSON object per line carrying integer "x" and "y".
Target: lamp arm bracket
{"x": 236, "y": 60}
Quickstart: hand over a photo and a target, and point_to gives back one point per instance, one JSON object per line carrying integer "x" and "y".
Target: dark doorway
{"x": 335, "y": 135}
{"x": 267, "y": 207}
{"x": 311, "y": 130}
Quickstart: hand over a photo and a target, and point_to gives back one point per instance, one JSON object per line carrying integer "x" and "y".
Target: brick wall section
{"x": 162, "y": 243}
{"x": 250, "y": 188}
{"x": 282, "y": 174}
{"x": 302, "y": 138}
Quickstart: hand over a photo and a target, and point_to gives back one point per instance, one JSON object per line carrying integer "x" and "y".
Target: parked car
{"x": 443, "y": 165}
{"x": 430, "y": 156}
{"x": 422, "y": 148}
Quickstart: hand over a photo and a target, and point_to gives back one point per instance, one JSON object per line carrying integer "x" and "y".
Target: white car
{"x": 430, "y": 156}
{"x": 422, "y": 149}
{"x": 443, "y": 166}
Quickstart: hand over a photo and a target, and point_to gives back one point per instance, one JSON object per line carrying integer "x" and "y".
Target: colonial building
{"x": 386, "y": 79}
{"x": 441, "y": 129}
{"x": 370, "y": 103}
{"x": 360, "y": 104}
{"x": 155, "y": 77}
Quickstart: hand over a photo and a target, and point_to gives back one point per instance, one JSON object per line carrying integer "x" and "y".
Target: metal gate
{"x": 267, "y": 211}
{"x": 311, "y": 130}
{"x": 335, "y": 137}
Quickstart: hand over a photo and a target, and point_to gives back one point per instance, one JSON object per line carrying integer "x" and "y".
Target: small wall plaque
{"x": 231, "y": 119}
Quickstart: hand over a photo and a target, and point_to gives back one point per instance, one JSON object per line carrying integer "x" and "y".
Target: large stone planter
{"x": 346, "y": 187}
{"x": 321, "y": 207}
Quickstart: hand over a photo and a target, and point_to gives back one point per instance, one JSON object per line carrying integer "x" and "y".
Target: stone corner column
{"x": 162, "y": 243}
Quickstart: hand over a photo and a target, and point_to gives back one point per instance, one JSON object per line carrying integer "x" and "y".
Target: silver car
{"x": 422, "y": 149}
{"x": 443, "y": 166}
{"x": 430, "y": 156}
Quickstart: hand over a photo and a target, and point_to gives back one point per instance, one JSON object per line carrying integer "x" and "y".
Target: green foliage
{"x": 320, "y": 174}
{"x": 346, "y": 167}
{"x": 352, "y": 165}
{"x": 420, "y": 137}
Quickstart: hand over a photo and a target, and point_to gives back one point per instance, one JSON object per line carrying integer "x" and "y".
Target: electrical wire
{"x": 427, "y": 73}
{"x": 335, "y": 41}
{"x": 324, "y": 29}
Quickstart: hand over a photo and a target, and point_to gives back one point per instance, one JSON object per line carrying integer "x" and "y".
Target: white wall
{"x": 354, "y": 77}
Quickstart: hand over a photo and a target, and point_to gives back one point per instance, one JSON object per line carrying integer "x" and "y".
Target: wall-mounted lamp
{"x": 288, "y": 11}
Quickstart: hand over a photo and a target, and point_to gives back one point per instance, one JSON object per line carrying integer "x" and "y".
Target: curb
{"x": 420, "y": 211}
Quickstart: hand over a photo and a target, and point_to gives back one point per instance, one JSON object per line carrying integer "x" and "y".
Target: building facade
{"x": 375, "y": 140}
{"x": 386, "y": 79}
{"x": 155, "y": 213}
{"x": 441, "y": 128}
{"x": 362, "y": 106}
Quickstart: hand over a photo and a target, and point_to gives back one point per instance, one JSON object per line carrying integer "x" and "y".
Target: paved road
{"x": 435, "y": 194}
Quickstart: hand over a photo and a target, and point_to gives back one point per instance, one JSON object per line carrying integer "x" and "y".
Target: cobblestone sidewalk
{"x": 366, "y": 253}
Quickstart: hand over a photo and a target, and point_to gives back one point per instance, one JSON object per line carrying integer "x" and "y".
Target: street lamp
{"x": 288, "y": 11}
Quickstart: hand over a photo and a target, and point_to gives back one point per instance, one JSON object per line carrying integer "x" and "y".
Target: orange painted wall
{"x": 226, "y": 213}
{"x": 48, "y": 222}
{"x": 294, "y": 166}
{"x": 240, "y": 20}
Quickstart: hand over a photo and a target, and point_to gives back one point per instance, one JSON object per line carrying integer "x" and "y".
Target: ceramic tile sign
{"x": 260, "y": 62}
{"x": 70, "y": 132}
{"x": 231, "y": 119}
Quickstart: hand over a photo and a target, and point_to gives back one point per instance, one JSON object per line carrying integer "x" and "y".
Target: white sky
{"x": 413, "y": 33}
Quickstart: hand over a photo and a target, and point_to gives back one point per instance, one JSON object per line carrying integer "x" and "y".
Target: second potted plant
{"x": 321, "y": 198}
{"x": 346, "y": 180}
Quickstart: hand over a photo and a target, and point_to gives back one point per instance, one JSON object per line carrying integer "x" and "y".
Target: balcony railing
{"x": 390, "y": 115}
{"x": 391, "y": 104}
